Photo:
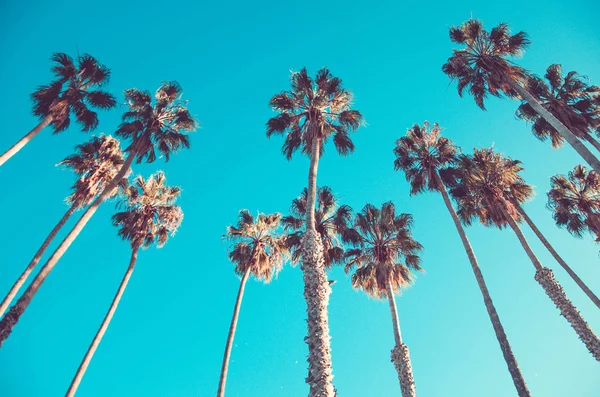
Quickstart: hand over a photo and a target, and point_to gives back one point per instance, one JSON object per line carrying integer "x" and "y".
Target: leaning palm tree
{"x": 488, "y": 187}
{"x": 149, "y": 217}
{"x": 309, "y": 114}
{"x": 75, "y": 88}
{"x": 162, "y": 127}
{"x": 483, "y": 67}
{"x": 422, "y": 154}
{"x": 385, "y": 253}
{"x": 96, "y": 163}
{"x": 258, "y": 251}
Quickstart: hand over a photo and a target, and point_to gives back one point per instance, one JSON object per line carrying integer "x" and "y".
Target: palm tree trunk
{"x": 553, "y": 289}
{"x": 232, "y": 327}
{"x": 558, "y": 258}
{"x": 583, "y": 151}
{"x": 21, "y": 280}
{"x": 400, "y": 355}
{"x": 109, "y": 315}
{"x": 509, "y": 357}
{"x": 592, "y": 141}
{"x": 12, "y": 317}
{"x": 316, "y": 294}
{"x": 25, "y": 140}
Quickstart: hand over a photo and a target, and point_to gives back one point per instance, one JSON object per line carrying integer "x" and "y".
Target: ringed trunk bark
{"x": 25, "y": 140}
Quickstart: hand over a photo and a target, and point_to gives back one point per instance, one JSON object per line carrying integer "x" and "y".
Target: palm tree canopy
{"x": 422, "y": 153}
{"x": 256, "y": 245}
{"x": 384, "y": 252}
{"x": 149, "y": 213}
{"x": 575, "y": 201}
{"x": 331, "y": 222}
{"x": 96, "y": 162}
{"x": 75, "y": 88}
{"x": 483, "y": 65}
{"x": 161, "y": 125}
{"x": 316, "y": 108}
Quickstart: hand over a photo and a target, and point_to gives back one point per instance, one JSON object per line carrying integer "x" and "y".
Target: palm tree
{"x": 160, "y": 126}
{"x": 75, "y": 88}
{"x": 483, "y": 67}
{"x": 422, "y": 154}
{"x": 258, "y": 251}
{"x": 570, "y": 99}
{"x": 149, "y": 217}
{"x": 488, "y": 186}
{"x": 309, "y": 114}
{"x": 385, "y": 253}
{"x": 96, "y": 163}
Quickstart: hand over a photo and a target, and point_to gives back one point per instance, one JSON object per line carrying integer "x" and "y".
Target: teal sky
{"x": 168, "y": 335}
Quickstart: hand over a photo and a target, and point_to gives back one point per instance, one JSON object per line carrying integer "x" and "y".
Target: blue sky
{"x": 168, "y": 335}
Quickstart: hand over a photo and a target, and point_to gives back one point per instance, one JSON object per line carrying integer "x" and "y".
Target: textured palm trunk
{"x": 105, "y": 323}
{"x": 12, "y": 316}
{"x": 509, "y": 357}
{"x": 232, "y": 328}
{"x": 400, "y": 355}
{"x": 583, "y": 151}
{"x": 25, "y": 140}
{"x": 38, "y": 255}
{"x": 553, "y": 289}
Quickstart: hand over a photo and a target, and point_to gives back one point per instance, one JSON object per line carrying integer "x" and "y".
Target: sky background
{"x": 168, "y": 335}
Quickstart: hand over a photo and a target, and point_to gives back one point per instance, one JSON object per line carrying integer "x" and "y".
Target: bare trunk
{"x": 38, "y": 255}
{"x": 311, "y": 197}
{"x": 12, "y": 317}
{"x": 25, "y": 140}
{"x": 232, "y": 327}
{"x": 111, "y": 311}
{"x": 592, "y": 141}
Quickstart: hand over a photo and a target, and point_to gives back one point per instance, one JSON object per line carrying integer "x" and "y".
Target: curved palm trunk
{"x": 509, "y": 357}
{"x": 12, "y": 317}
{"x": 232, "y": 327}
{"x": 25, "y": 140}
{"x": 400, "y": 355}
{"x": 109, "y": 315}
{"x": 38, "y": 255}
{"x": 558, "y": 126}
{"x": 544, "y": 276}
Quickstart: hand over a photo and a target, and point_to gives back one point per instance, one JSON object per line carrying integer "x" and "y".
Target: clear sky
{"x": 168, "y": 335}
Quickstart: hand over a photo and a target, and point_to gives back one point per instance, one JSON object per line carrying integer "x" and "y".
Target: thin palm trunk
{"x": 25, "y": 140}
{"x": 592, "y": 141}
{"x": 509, "y": 357}
{"x": 583, "y": 151}
{"x": 105, "y": 323}
{"x": 232, "y": 328}
{"x": 553, "y": 289}
{"x": 38, "y": 255}
{"x": 12, "y": 317}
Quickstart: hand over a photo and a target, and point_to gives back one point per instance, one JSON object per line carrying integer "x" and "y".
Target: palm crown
{"x": 314, "y": 109}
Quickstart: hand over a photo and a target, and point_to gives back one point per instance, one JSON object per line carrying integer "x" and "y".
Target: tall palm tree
{"x": 422, "y": 154}
{"x": 484, "y": 66}
{"x": 309, "y": 114}
{"x": 96, "y": 163}
{"x": 570, "y": 99}
{"x": 149, "y": 217}
{"x": 385, "y": 253}
{"x": 258, "y": 251}
{"x": 488, "y": 186}
{"x": 162, "y": 127}
{"x": 76, "y": 87}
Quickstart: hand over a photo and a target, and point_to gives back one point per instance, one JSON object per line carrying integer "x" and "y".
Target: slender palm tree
{"x": 484, "y": 66}
{"x": 385, "y": 253}
{"x": 422, "y": 155}
{"x": 149, "y": 217}
{"x": 96, "y": 163}
{"x": 488, "y": 186}
{"x": 76, "y": 87}
{"x": 162, "y": 127}
{"x": 309, "y": 114}
{"x": 258, "y": 251}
